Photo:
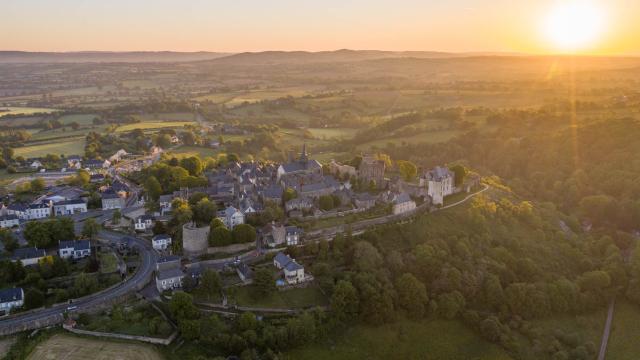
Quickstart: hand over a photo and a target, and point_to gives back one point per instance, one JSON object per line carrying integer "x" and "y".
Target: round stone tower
{"x": 194, "y": 239}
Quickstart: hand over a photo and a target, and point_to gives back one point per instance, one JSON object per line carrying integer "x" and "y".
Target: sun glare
{"x": 574, "y": 25}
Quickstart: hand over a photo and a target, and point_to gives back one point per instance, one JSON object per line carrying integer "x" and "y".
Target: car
{"x": 72, "y": 307}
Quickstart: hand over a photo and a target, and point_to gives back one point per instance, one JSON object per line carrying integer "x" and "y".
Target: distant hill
{"x": 344, "y": 55}
{"x": 7, "y": 57}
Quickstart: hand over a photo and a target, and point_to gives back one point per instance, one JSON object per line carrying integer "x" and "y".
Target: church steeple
{"x": 303, "y": 155}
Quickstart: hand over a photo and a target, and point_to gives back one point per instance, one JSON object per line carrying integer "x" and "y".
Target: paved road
{"x": 141, "y": 277}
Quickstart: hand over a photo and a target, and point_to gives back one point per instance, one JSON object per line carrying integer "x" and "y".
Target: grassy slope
{"x": 430, "y": 340}
{"x": 623, "y": 341}
{"x": 67, "y": 147}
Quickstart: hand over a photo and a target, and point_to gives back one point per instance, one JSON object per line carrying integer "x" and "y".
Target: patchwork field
{"x": 70, "y": 347}
{"x": 149, "y": 125}
{"x": 433, "y": 340}
{"x": 67, "y": 147}
{"x": 22, "y": 110}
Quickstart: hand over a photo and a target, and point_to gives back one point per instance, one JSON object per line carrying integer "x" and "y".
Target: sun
{"x": 574, "y": 25}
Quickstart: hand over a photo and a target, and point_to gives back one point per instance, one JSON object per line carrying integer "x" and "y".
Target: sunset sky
{"x": 255, "y": 25}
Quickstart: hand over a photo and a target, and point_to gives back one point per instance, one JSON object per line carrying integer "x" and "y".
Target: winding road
{"x": 49, "y": 316}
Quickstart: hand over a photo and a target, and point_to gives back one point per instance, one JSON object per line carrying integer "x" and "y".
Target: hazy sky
{"x": 254, "y": 25}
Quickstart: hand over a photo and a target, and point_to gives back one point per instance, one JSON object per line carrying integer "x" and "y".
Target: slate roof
{"x": 282, "y": 259}
{"x": 293, "y": 266}
{"x": 161, "y": 237}
{"x": 170, "y": 258}
{"x": 291, "y": 230}
{"x": 69, "y": 202}
{"x": 75, "y": 244}
{"x": 273, "y": 191}
{"x": 17, "y": 207}
{"x": 403, "y": 198}
{"x": 9, "y": 295}
{"x": 28, "y": 253}
{"x": 439, "y": 173}
{"x": 170, "y": 273}
{"x": 8, "y": 217}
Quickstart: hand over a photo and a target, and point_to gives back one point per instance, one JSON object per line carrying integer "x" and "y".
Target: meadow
{"x": 69, "y": 347}
{"x": 67, "y": 147}
{"x": 12, "y": 110}
{"x": 404, "y": 339}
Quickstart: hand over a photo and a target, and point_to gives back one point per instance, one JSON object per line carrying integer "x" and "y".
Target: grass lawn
{"x": 108, "y": 263}
{"x": 69, "y": 347}
{"x": 135, "y": 321}
{"x": 623, "y": 340}
{"x": 588, "y": 327}
{"x": 67, "y": 147}
{"x": 294, "y": 298}
{"x": 432, "y": 340}
{"x": 23, "y": 110}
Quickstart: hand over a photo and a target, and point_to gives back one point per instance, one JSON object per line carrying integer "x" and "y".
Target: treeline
{"x": 588, "y": 170}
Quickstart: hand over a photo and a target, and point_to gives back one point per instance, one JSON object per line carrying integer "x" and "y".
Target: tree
{"x": 344, "y": 302}
{"x": 243, "y": 233}
{"x": 90, "y": 228}
{"x": 116, "y": 217}
{"x": 153, "y": 187}
{"x": 182, "y": 308}
{"x": 203, "y": 212}
{"x": 490, "y": 328}
{"x": 210, "y": 283}
{"x": 82, "y": 178}
{"x": 460, "y": 173}
{"x": 247, "y": 321}
{"x": 220, "y": 236}
{"x": 9, "y": 241}
{"x": 407, "y": 169}
{"x": 366, "y": 257}
{"x": 326, "y": 202}
{"x": 182, "y": 214}
{"x": 163, "y": 140}
{"x": 37, "y": 234}
{"x": 264, "y": 283}
{"x": 450, "y": 304}
{"x": 33, "y": 298}
{"x": 412, "y": 295}
{"x": 85, "y": 284}
{"x": 216, "y": 223}
{"x": 37, "y": 185}
{"x": 193, "y": 165}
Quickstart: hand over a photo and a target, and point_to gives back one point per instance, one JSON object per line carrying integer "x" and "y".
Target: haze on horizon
{"x": 253, "y": 25}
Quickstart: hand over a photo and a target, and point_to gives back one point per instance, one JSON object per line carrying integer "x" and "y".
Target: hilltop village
{"x": 231, "y": 217}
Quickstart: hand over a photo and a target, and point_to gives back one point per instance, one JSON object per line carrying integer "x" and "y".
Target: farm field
{"x": 332, "y": 133}
{"x": 187, "y": 151}
{"x": 180, "y": 116}
{"x": 67, "y": 147}
{"x": 433, "y": 340}
{"x": 23, "y": 110}
{"x": 69, "y": 347}
{"x": 151, "y": 125}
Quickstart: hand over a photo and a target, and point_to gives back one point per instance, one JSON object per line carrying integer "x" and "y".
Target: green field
{"x": 623, "y": 340}
{"x": 152, "y": 125}
{"x": 294, "y": 298}
{"x": 187, "y": 151}
{"x": 432, "y": 340}
{"x": 67, "y": 147}
{"x": 22, "y": 110}
{"x": 332, "y": 133}
{"x": 181, "y": 116}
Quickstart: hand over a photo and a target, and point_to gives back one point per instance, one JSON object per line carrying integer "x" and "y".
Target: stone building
{"x": 371, "y": 168}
